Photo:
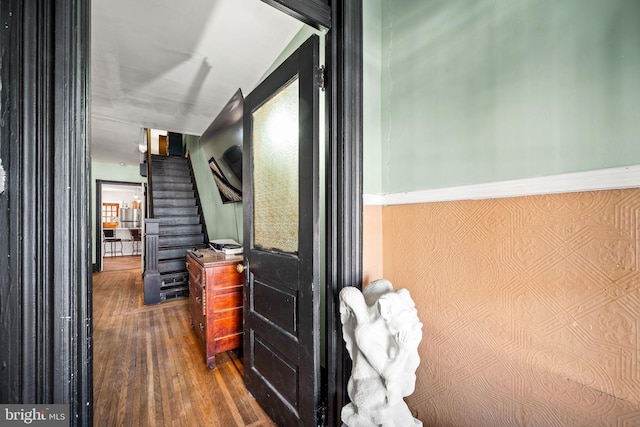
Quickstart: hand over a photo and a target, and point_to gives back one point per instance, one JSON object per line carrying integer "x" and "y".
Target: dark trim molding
{"x": 316, "y": 13}
{"x": 70, "y": 170}
{"x": 46, "y": 355}
{"x": 344, "y": 187}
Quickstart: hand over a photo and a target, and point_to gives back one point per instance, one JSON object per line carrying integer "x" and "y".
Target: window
{"x": 110, "y": 215}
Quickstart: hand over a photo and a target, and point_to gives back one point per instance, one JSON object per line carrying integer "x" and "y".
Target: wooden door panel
{"x": 277, "y": 370}
{"x": 277, "y": 304}
{"x": 281, "y": 299}
{"x": 286, "y": 272}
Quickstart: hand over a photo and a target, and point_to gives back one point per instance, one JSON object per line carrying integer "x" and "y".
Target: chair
{"x": 136, "y": 238}
{"x": 109, "y": 236}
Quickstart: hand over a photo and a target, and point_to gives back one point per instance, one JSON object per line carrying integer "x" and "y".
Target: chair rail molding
{"x": 594, "y": 180}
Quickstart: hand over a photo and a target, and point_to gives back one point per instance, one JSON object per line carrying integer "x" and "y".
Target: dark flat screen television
{"x": 222, "y": 145}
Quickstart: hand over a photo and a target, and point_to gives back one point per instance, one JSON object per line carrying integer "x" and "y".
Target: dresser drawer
{"x": 224, "y": 276}
{"x": 196, "y": 299}
{"x": 228, "y": 342}
{"x": 230, "y": 325}
{"x": 226, "y": 300}
{"x": 196, "y": 273}
{"x": 201, "y": 329}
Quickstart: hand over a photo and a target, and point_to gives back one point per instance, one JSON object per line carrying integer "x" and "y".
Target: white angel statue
{"x": 382, "y": 331}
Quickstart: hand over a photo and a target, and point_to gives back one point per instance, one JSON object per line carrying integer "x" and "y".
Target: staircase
{"x": 180, "y": 226}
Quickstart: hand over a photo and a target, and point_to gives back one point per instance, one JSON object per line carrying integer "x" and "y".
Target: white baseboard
{"x": 601, "y": 179}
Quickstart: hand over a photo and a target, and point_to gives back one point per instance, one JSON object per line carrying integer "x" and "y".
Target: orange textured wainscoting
{"x": 530, "y": 306}
{"x": 372, "y": 243}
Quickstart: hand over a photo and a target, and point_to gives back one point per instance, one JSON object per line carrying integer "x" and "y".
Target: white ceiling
{"x": 173, "y": 65}
{"x": 115, "y": 193}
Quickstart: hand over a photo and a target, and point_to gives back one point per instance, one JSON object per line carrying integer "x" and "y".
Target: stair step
{"x": 175, "y": 279}
{"x": 173, "y": 174}
{"x": 159, "y": 178}
{"x": 180, "y": 240}
{"x": 172, "y": 186}
{"x": 179, "y": 220}
{"x": 171, "y": 265}
{"x": 173, "y": 253}
{"x": 175, "y": 168}
{"x": 178, "y": 202}
{"x": 173, "y": 194}
{"x": 171, "y": 168}
{"x": 168, "y": 159}
{"x": 174, "y": 293}
{"x": 174, "y": 211}
{"x": 173, "y": 229}
{"x": 177, "y": 252}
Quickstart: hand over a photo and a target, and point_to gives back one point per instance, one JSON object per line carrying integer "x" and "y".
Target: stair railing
{"x": 197, "y": 194}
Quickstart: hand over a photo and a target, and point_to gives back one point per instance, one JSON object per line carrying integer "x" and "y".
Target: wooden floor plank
{"x": 118, "y": 263}
{"x": 149, "y": 367}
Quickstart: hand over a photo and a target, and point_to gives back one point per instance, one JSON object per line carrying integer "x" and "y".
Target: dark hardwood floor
{"x": 117, "y": 263}
{"x": 149, "y": 368}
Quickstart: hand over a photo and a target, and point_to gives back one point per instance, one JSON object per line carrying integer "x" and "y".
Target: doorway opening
{"x": 60, "y": 279}
{"x": 109, "y": 253}
{"x": 120, "y": 210}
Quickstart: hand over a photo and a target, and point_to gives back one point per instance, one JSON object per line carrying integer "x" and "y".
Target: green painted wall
{"x": 372, "y": 94}
{"x": 223, "y": 221}
{"x": 109, "y": 172}
{"x": 486, "y": 90}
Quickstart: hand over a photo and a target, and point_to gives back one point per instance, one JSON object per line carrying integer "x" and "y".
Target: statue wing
{"x": 374, "y": 290}
{"x": 351, "y": 306}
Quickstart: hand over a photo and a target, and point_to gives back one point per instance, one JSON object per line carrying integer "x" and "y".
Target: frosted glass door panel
{"x": 275, "y": 171}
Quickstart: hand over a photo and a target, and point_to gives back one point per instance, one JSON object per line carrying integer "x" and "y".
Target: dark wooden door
{"x": 281, "y": 240}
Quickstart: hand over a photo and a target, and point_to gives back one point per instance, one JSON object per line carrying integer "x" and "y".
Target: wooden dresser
{"x": 215, "y": 294}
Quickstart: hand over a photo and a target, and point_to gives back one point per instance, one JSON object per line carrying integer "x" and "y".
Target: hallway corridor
{"x": 149, "y": 369}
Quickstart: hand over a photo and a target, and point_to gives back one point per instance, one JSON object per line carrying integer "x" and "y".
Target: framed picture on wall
{"x": 228, "y": 192}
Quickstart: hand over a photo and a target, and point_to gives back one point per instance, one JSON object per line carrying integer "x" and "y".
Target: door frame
{"x": 45, "y": 100}
{"x": 343, "y": 188}
{"x": 46, "y": 284}
{"x": 98, "y": 215}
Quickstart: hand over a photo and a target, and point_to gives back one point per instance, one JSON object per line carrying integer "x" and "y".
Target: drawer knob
{"x": 199, "y": 300}
{"x": 240, "y": 268}
{"x": 201, "y": 327}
